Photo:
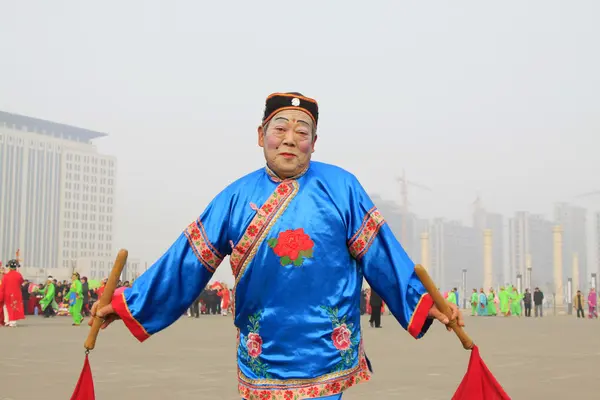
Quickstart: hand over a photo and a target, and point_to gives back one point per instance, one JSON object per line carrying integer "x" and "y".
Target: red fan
{"x": 216, "y": 285}
{"x": 84, "y": 390}
{"x": 478, "y": 383}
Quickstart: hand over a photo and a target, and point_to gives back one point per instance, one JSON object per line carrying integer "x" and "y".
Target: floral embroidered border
{"x": 258, "y": 229}
{"x": 207, "y": 254}
{"x": 273, "y": 176}
{"x": 259, "y": 223}
{"x": 294, "y": 391}
{"x": 364, "y": 236}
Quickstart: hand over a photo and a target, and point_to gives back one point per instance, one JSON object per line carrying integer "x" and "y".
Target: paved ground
{"x": 550, "y": 358}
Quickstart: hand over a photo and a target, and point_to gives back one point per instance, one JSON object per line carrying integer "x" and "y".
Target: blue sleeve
{"x": 386, "y": 266}
{"x": 162, "y": 294}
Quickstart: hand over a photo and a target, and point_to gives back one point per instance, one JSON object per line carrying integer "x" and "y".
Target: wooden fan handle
{"x": 442, "y": 305}
{"x": 106, "y": 297}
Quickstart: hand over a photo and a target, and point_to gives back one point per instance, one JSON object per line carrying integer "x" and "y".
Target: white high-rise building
{"x": 56, "y": 193}
{"x": 486, "y": 220}
{"x": 573, "y": 220}
{"x": 530, "y": 239}
{"x": 455, "y": 247}
{"x": 414, "y": 226}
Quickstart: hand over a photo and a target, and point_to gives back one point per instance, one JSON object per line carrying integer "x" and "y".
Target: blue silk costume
{"x": 299, "y": 249}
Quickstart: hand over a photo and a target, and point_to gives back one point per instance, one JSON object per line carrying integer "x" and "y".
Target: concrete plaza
{"x": 549, "y": 358}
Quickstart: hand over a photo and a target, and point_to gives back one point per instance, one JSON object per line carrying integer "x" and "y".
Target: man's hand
{"x": 456, "y": 315}
{"x": 107, "y": 313}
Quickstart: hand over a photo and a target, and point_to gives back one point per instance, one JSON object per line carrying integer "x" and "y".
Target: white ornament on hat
{"x": 295, "y": 102}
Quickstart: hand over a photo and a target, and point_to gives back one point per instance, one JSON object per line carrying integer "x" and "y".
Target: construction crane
{"x": 404, "y": 183}
{"x": 477, "y": 204}
{"x": 596, "y": 193}
{"x": 478, "y": 211}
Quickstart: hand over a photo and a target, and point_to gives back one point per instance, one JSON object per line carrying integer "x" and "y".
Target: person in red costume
{"x": 12, "y": 296}
{"x": 100, "y": 290}
{"x": 224, "y": 295}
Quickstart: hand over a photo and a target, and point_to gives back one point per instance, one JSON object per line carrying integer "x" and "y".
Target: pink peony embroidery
{"x": 254, "y": 345}
{"x": 341, "y": 337}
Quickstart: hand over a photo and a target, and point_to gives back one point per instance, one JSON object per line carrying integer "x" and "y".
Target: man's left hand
{"x": 456, "y": 315}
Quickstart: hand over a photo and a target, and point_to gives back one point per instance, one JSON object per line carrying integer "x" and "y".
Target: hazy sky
{"x": 496, "y": 98}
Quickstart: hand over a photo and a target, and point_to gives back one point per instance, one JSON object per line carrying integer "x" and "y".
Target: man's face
{"x": 288, "y": 142}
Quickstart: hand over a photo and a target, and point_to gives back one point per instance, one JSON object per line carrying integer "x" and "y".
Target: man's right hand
{"x": 107, "y": 313}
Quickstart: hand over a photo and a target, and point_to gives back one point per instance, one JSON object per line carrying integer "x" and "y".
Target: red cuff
{"x": 120, "y": 306}
{"x": 415, "y": 327}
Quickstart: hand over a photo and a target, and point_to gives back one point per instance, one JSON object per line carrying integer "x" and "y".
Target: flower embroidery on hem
{"x": 292, "y": 246}
{"x": 344, "y": 338}
{"x": 253, "y": 347}
{"x": 314, "y": 390}
{"x": 341, "y": 337}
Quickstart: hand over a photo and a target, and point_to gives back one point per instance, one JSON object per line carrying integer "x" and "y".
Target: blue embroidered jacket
{"x": 299, "y": 250}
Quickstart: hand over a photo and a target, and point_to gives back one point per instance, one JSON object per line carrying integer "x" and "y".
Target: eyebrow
{"x": 299, "y": 120}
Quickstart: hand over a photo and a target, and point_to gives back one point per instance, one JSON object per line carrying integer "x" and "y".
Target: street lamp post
{"x": 570, "y": 296}
{"x": 464, "y": 288}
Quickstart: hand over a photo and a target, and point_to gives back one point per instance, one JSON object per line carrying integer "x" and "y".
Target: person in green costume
{"x": 75, "y": 297}
{"x": 48, "y": 303}
{"x": 474, "y": 301}
{"x": 515, "y": 302}
{"x": 503, "y": 297}
{"x": 452, "y": 297}
{"x": 491, "y": 306}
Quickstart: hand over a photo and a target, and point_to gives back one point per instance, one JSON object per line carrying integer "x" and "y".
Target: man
{"x": 194, "y": 310}
{"x": 85, "y": 290}
{"x": 301, "y": 236}
{"x": 527, "y": 303}
{"x": 25, "y": 296}
{"x": 578, "y": 302}
{"x": 214, "y": 302}
{"x": 375, "y": 302}
{"x": 363, "y": 302}
{"x": 12, "y": 295}
{"x": 538, "y": 300}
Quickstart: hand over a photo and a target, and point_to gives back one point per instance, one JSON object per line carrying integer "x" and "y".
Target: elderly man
{"x": 300, "y": 236}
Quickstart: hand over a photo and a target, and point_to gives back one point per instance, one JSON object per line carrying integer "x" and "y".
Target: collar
{"x": 275, "y": 178}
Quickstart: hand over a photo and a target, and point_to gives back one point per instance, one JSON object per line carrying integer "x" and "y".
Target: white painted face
{"x": 288, "y": 142}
